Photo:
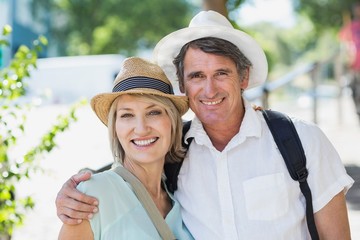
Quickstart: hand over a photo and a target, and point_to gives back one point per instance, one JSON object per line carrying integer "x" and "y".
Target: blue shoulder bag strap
{"x": 290, "y": 147}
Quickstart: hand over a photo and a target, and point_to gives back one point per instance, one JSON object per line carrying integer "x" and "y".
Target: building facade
{"x": 25, "y": 27}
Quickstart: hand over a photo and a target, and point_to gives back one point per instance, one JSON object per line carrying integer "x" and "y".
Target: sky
{"x": 275, "y": 11}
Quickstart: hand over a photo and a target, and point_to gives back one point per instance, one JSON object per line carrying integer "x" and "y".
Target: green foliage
{"x": 288, "y": 47}
{"x": 13, "y": 111}
{"x": 114, "y": 26}
{"x": 232, "y": 5}
{"x": 325, "y": 14}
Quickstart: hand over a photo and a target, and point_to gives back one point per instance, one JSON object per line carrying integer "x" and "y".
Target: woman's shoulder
{"x": 103, "y": 181}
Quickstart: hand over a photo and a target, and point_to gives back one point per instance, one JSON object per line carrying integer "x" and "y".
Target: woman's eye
{"x": 155, "y": 112}
{"x": 126, "y": 115}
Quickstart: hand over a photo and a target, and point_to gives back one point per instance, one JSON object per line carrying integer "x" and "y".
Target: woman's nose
{"x": 141, "y": 126}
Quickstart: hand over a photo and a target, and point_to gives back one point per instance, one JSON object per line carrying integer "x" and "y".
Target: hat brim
{"x": 101, "y": 103}
{"x": 169, "y": 47}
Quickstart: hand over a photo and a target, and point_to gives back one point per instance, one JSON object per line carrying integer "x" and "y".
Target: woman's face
{"x": 143, "y": 128}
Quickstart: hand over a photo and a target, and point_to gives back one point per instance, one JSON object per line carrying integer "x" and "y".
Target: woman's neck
{"x": 150, "y": 176}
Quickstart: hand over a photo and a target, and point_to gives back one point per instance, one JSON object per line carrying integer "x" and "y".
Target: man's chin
{"x": 212, "y": 119}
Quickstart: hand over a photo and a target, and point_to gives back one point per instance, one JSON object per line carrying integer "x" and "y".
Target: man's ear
{"x": 245, "y": 79}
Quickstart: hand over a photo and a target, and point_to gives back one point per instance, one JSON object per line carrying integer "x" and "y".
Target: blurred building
{"x": 26, "y": 28}
{"x": 4, "y": 19}
{"x": 57, "y": 80}
{"x": 64, "y": 80}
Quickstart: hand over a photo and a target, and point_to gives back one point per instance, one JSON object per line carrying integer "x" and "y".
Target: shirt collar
{"x": 250, "y": 127}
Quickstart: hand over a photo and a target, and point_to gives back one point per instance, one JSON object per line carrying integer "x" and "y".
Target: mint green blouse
{"x": 121, "y": 215}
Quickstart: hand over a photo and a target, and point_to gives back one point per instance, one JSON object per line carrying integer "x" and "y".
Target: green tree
{"x": 325, "y": 14}
{"x": 13, "y": 109}
{"x": 222, "y": 6}
{"x": 84, "y": 27}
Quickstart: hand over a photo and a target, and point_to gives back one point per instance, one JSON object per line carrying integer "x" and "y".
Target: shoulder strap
{"x": 172, "y": 169}
{"x": 149, "y": 205}
{"x": 290, "y": 147}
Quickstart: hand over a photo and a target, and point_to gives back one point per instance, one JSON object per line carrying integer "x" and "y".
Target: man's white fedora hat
{"x": 211, "y": 24}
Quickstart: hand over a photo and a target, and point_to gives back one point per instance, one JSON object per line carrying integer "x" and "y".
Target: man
{"x": 233, "y": 183}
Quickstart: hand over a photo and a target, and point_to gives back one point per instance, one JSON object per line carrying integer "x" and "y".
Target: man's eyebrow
{"x": 191, "y": 74}
{"x": 228, "y": 70}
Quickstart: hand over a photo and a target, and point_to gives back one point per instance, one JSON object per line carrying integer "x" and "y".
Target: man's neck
{"x": 221, "y": 134}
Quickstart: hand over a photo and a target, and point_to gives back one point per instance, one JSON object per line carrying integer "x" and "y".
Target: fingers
{"x": 80, "y": 177}
{"x": 71, "y": 221}
{"x": 71, "y": 216}
{"x": 72, "y": 205}
{"x": 76, "y": 201}
{"x": 69, "y": 190}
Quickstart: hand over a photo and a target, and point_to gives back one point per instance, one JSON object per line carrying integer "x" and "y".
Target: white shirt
{"x": 245, "y": 191}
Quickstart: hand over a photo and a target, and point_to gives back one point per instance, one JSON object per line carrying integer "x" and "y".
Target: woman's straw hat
{"x": 211, "y": 24}
{"x": 137, "y": 76}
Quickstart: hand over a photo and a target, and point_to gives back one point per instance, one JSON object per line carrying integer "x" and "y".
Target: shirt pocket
{"x": 266, "y": 197}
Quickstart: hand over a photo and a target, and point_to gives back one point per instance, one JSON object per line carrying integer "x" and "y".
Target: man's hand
{"x": 72, "y": 206}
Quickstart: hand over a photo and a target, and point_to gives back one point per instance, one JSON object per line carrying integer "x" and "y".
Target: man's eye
{"x": 221, "y": 73}
{"x": 196, "y": 75}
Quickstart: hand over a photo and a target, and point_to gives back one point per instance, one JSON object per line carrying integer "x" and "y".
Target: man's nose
{"x": 210, "y": 88}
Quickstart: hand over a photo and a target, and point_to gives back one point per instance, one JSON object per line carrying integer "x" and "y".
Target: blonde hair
{"x": 175, "y": 152}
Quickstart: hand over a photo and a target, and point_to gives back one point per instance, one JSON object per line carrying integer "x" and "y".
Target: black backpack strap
{"x": 290, "y": 147}
{"x": 104, "y": 168}
{"x": 172, "y": 170}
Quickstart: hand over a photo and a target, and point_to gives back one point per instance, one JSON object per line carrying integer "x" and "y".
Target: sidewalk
{"x": 84, "y": 144}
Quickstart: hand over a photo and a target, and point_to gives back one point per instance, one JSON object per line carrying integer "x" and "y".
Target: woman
{"x": 143, "y": 117}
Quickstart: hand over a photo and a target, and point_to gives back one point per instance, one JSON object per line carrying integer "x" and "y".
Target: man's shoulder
{"x": 303, "y": 127}
{"x": 302, "y": 124}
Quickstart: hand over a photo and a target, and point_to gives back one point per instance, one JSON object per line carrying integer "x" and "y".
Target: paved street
{"x": 86, "y": 145}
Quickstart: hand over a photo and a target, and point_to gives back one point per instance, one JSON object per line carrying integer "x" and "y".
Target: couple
{"x": 233, "y": 183}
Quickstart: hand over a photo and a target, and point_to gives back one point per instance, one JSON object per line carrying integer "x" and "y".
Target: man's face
{"x": 213, "y": 86}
